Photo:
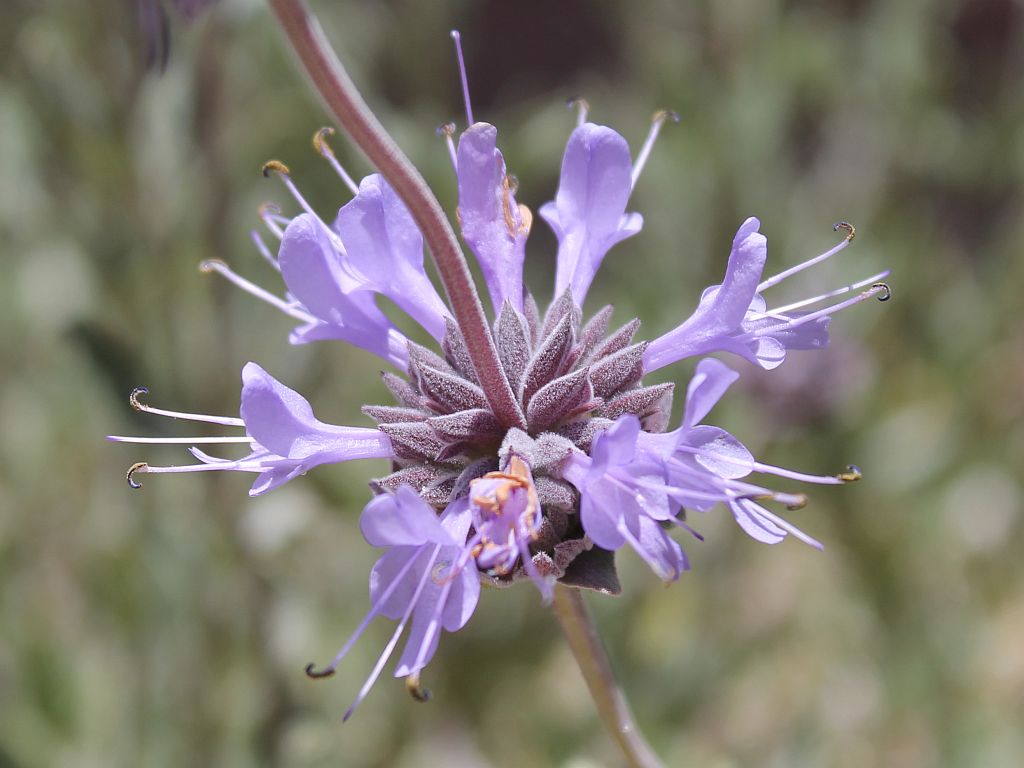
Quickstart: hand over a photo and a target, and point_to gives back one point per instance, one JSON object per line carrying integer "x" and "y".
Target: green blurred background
{"x": 170, "y": 626}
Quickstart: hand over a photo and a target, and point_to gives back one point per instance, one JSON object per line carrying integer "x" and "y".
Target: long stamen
{"x": 142, "y": 468}
{"x": 851, "y": 232}
{"x": 881, "y": 290}
{"x": 768, "y": 469}
{"x": 280, "y": 170}
{"x": 221, "y": 268}
{"x": 390, "y": 647}
{"x": 178, "y": 440}
{"x": 324, "y": 149}
{"x": 138, "y": 405}
{"x": 778, "y": 311}
{"x": 652, "y": 135}
{"x": 457, "y": 38}
{"x": 582, "y": 107}
{"x": 448, "y": 131}
{"x": 327, "y": 671}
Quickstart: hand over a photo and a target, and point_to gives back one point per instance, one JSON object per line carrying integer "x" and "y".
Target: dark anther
{"x": 851, "y": 231}
{"x": 319, "y": 142}
{"x": 275, "y": 166}
{"x": 851, "y": 475}
{"x": 133, "y": 398}
{"x": 885, "y": 289}
{"x": 416, "y": 689}
{"x": 446, "y": 129}
{"x": 318, "y": 674}
{"x": 140, "y": 466}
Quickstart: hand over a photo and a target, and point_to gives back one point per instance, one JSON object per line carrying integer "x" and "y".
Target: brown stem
{"x": 332, "y": 82}
{"x": 581, "y": 634}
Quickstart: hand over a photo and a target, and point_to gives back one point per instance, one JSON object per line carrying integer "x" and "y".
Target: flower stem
{"x": 581, "y": 634}
{"x": 332, "y": 82}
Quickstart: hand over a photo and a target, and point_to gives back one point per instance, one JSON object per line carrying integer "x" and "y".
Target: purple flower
{"x": 493, "y": 225}
{"x": 422, "y": 576}
{"x": 587, "y": 466}
{"x": 588, "y": 215}
{"x": 733, "y": 317}
{"x": 383, "y": 250}
{"x": 285, "y": 440}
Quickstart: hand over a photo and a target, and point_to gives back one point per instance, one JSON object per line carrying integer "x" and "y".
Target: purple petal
{"x": 313, "y": 273}
{"x": 722, "y": 308}
{"x": 719, "y": 452}
{"x": 660, "y": 550}
{"x": 616, "y": 445}
{"x": 282, "y": 421}
{"x": 588, "y": 214}
{"x": 391, "y": 566}
{"x": 748, "y": 515}
{"x": 383, "y": 246}
{"x": 600, "y": 512}
{"x": 710, "y": 381}
{"x": 401, "y": 519}
{"x": 491, "y": 221}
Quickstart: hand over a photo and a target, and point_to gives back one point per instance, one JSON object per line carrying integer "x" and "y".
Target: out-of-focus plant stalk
{"x": 336, "y": 88}
{"x": 580, "y": 632}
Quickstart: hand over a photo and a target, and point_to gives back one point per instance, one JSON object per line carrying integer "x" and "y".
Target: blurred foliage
{"x": 170, "y": 626}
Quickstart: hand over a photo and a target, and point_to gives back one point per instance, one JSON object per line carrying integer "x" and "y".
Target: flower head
{"x": 580, "y": 465}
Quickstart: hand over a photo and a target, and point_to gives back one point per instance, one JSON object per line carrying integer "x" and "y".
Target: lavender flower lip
{"x": 564, "y": 459}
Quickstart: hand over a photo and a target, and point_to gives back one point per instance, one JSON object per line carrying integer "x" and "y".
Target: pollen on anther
{"x": 139, "y": 466}
{"x": 851, "y": 231}
{"x": 851, "y": 475}
{"x": 275, "y": 166}
{"x": 320, "y": 142}
{"x": 133, "y": 398}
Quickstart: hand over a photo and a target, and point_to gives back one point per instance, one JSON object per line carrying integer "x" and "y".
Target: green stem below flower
{"x": 581, "y": 634}
{"x": 344, "y": 101}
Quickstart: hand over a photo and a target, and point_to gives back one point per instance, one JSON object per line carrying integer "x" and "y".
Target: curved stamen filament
{"x": 221, "y": 268}
{"x": 324, "y": 149}
{"x": 776, "y": 279}
{"x": 390, "y": 647}
{"x": 142, "y": 468}
{"x": 652, "y": 135}
{"x": 280, "y": 170}
{"x": 778, "y": 311}
{"x": 138, "y": 405}
{"x": 457, "y": 39}
{"x": 396, "y": 582}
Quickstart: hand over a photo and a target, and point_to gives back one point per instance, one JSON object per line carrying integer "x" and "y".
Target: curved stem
{"x": 581, "y": 634}
{"x": 332, "y": 82}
